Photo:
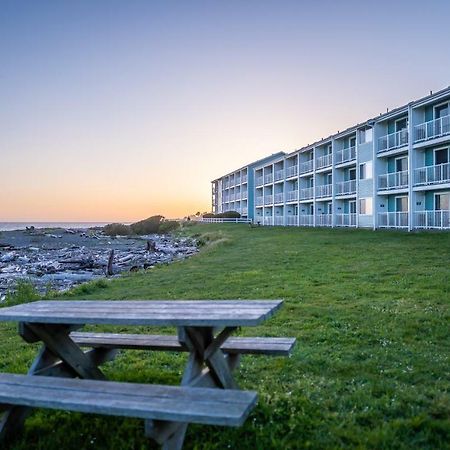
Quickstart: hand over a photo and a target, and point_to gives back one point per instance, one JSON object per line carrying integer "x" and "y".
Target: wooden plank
{"x": 177, "y": 313}
{"x": 276, "y": 346}
{"x": 172, "y": 403}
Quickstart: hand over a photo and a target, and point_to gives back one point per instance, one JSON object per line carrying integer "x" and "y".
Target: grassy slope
{"x": 370, "y": 311}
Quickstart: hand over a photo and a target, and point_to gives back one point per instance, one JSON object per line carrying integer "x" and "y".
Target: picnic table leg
{"x": 57, "y": 357}
{"x": 204, "y": 350}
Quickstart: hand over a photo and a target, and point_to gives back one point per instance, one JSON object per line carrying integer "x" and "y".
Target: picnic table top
{"x": 209, "y": 313}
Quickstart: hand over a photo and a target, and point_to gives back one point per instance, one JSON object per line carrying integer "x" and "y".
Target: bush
{"x": 23, "y": 292}
{"x": 224, "y": 215}
{"x": 116, "y": 229}
{"x": 147, "y": 226}
{"x": 168, "y": 225}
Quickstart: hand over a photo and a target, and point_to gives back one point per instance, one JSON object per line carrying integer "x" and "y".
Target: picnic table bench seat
{"x": 275, "y": 346}
{"x": 146, "y": 401}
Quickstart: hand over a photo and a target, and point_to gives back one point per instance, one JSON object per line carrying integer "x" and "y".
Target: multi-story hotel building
{"x": 392, "y": 171}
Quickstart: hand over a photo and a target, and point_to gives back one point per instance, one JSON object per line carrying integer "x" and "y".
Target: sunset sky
{"x": 117, "y": 110}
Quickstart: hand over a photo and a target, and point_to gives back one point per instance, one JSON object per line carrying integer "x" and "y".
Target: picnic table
{"x": 66, "y": 376}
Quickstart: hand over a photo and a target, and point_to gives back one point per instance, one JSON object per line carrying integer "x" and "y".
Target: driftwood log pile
{"x": 59, "y": 259}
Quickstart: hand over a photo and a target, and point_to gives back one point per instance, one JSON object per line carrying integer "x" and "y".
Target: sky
{"x": 118, "y": 110}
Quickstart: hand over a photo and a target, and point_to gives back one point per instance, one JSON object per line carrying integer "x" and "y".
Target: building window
{"x": 441, "y": 111}
{"x": 401, "y": 204}
{"x": 365, "y": 206}
{"x": 442, "y": 201}
{"x": 441, "y": 156}
{"x": 365, "y": 170}
{"x": 365, "y": 136}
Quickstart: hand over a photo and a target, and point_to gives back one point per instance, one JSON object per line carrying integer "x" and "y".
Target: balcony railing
{"x": 279, "y": 175}
{"x": 346, "y": 220}
{"x": 291, "y": 196}
{"x": 345, "y": 155}
{"x": 432, "y": 129}
{"x": 393, "y": 219}
{"x": 244, "y": 178}
{"x": 291, "y": 220}
{"x": 267, "y": 220}
{"x": 324, "y": 161}
{"x": 259, "y": 181}
{"x": 440, "y": 173}
{"x": 324, "y": 190}
{"x": 433, "y": 219}
{"x": 291, "y": 171}
{"x": 393, "y": 140}
{"x": 324, "y": 220}
{"x": 268, "y": 178}
{"x": 306, "y": 220}
{"x": 395, "y": 180}
{"x": 277, "y": 220}
{"x": 259, "y": 201}
{"x": 237, "y": 181}
{"x": 306, "y": 166}
{"x": 306, "y": 193}
{"x": 278, "y": 197}
{"x": 268, "y": 199}
{"x": 346, "y": 187}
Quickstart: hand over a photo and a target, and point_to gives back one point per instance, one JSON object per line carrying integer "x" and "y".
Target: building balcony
{"x": 291, "y": 220}
{"x": 231, "y": 198}
{"x": 306, "y": 193}
{"x": 324, "y": 161}
{"x": 346, "y": 187}
{"x": 258, "y": 201}
{"x": 346, "y": 220}
{"x": 394, "y": 180}
{"x": 244, "y": 178}
{"x": 439, "y": 173}
{"x": 291, "y": 196}
{"x": 432, "y": 129}
{"x": 306, "y": 220}
{"x": 268, "y": 178}
{"x": 393, "y": 220}
{"x": 278, "y": 197}
{"x": 279, "y": 174}
{"x": 307, "y": 166}
{"x": 345, "y": 155}
{"x": 244, "y": 211}
{"x": 259, "y": 181}
{"x": 267, "y": 220}
{"x": 244, "y": 195}
{"x": 278, "y": 220}
{"x": 324, "y": 191}
{"x": 432, "y": 219}
{"x": 392, "y": 141}
{"x": 324, "y": 220}
{"x": 237, "y": 196}
{"x": 268, "y": 199}
{"x": 291, "y": 171}
{"x": 237, "y": 181}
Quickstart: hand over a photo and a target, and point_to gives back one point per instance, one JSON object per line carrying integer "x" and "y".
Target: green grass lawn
{"x": 370, "y": 314}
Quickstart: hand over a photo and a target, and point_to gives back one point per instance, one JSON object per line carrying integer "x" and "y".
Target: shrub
{"x": 23, "y": 292}
{"x": 168, "y": 225}
{"x": 223, "y": 215}
{"x": 147, "y": 226}
{"x": 116, "y": 229}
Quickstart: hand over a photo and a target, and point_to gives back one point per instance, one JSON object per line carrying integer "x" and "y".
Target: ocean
{"x": 9, "y": 226}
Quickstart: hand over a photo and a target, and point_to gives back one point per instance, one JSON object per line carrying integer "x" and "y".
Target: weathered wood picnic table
{"x": 204, "y": 330}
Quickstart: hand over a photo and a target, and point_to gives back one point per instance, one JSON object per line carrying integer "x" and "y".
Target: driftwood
{"x": 109, "y": 268}
{"x": 151, "y": 246}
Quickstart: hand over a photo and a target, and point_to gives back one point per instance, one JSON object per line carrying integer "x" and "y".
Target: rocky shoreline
{"x": 61, "y": 258}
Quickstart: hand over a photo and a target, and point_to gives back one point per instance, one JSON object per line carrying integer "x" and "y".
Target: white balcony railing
{"x": 291, "y": 196}
{"x": 324, "y": 161}
{"x": 439, "y": 219}
{"x": 432, "y": 129}
{"x": 306, "y": 220}
{"x": 267, "y": 220}
{"x": 306, "y": 166}
{"x": 345, "y": 187}
{"x": 306, "y": 193}
{"x": 324, "y": 220}
{"x": 279, "y": 175}
{"x": 324, "y": 190}
{"x": 259, "y": 181}
{"x": 345, "y": 155}
{"x": 278, "y": 197}
{"x": 346, "y": 220}
{"x": 268, "y": 199}
{"x": 439, "y": 173}
{"x": 393, "y": 140}
{"x": 394, "y": 180}
{"x": 258, "y": 201}
{"x": 268, "y": 178}
{"x": 291, "y": 220}
{"x": 393, "y": 219}
{"x": 291, "y": 171}
{"x": 277, "y": 220}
